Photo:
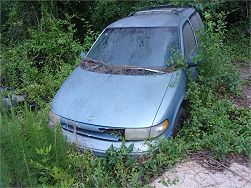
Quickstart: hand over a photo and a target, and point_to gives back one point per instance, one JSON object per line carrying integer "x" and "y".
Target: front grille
{"x": 93, "y": 131}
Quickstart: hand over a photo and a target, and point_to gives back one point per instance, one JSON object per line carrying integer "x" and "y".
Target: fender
{"x": 172, "y": 100}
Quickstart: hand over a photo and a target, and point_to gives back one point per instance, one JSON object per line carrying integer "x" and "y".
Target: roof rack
{"x": 175, "y": 11}
{"x": 160, "y": 6}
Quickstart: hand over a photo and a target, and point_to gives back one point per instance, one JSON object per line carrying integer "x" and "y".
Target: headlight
{"x": 53, "y": 119}
{"x": 146, "y": 133}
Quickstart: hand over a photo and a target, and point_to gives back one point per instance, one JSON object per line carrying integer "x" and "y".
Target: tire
{"x": 179, "y": 120}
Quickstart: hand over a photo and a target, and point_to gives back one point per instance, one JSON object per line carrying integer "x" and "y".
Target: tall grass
{"x": 5, "y": 178}
{"x": 21, "y": 136}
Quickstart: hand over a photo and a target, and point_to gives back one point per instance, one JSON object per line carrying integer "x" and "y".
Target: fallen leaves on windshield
{"x": 98, "y": 66}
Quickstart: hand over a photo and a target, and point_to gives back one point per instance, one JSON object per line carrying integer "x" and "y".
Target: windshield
{"x": 141, "y": 47}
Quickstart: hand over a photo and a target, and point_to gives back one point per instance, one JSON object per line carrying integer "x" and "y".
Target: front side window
{"x": 189, "y": 40}
{"x": 142, "y": 47}
{"x": 196, "y": 24}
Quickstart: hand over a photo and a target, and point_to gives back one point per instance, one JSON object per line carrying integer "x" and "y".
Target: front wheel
{"x": 179, "y": 120}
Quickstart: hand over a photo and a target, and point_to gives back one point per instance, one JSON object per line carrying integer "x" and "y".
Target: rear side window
{"x": 189, "y": 40}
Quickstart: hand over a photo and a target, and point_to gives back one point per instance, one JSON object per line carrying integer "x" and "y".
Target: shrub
{"x": 213, "y": 121}
{"x": 39, "y": 65}
{"x": 89, "y": 38}
{"x": 217, "y": 70}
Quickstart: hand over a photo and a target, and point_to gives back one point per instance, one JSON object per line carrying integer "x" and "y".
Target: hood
{"x": 123, "y": 101}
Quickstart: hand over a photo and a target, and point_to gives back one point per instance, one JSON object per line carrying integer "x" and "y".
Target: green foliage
{"x": 19, "y": 16}
{"x": 239, "y": 40}
{"x": 37, "y": 155}
{"x": 105, "y": 12}
{"x": 38, "y": 66}
{"x": 215, "y": 123}
{"x": 89, "y": 39}
{"x": 23, "y": 139}
{"x": 216, "y": 69}
{"x": 211, "y": 10}
{"x": 5, "y": 177}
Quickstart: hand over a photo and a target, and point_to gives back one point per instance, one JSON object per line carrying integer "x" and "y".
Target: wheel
{"x": 179, "y": 120}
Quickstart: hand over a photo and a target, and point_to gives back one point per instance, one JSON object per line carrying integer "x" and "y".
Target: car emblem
{"x": 90, "y": 118}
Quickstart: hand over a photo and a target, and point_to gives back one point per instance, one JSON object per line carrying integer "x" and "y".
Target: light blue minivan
{"x": 123, "y": 90}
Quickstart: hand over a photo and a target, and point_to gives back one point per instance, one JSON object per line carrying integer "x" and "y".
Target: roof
{"x": 154, "y": 17}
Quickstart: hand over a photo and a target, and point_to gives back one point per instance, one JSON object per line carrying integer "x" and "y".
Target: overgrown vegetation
{"x": 34, "y": 155}
{"x": 39, "y": 65}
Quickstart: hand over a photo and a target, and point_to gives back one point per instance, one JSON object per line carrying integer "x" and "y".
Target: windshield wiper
{"x": 145, "y": 69}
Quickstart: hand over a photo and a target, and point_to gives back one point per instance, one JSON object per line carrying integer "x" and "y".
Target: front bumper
{"x": 99, "y": 146}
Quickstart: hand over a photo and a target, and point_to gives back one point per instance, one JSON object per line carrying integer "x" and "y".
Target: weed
{"x": 39, "y": 65}
{"x": 20, "y": 136}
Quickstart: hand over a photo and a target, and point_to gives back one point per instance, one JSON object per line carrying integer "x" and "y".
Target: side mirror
{"x": 83, "y": 54}
{"x": 190, "y": 63}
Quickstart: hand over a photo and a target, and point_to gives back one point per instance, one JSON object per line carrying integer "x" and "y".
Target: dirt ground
{"x": 190, "y": 174}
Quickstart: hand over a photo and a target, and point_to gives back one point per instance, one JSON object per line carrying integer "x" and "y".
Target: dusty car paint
{"x": 112, "y": 100}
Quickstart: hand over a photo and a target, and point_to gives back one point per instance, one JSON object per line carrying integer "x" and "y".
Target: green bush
{"x": 89, "y": 39}
{"x": 235, "y": 10}
{"x": 239, "y": 40}
{"x": 217, "y": 70}
{"x": 214, "y": 122}
{"x": 39, "y": 65}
